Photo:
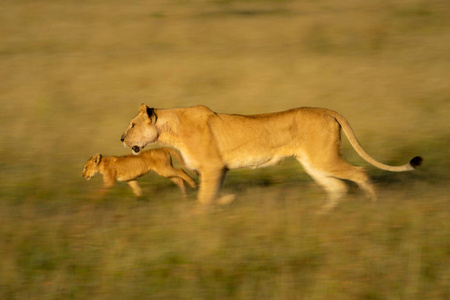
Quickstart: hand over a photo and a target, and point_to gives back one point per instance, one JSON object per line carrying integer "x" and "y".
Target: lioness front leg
{"x": 211, "y": 181}
{"x": 135, "y": 187}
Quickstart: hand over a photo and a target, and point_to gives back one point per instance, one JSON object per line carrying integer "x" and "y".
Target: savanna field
{"x": 73, "y": 74}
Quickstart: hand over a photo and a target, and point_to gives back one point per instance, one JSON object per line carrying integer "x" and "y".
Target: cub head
{"x": 91, "y": 168}
{"x": 141, "y": 130}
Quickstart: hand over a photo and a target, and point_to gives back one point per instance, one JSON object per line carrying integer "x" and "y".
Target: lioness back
{"x": 265, "y": 139}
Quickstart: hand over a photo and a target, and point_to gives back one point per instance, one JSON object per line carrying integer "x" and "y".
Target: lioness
{"x": 213, "y": 143}
{"x": 129, "y": 167}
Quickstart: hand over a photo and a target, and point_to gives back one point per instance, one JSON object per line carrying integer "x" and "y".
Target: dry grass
{"x": 72, "y": 74}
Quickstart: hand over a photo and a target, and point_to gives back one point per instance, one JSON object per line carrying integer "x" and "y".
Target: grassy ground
{"x": 72, "y": 74}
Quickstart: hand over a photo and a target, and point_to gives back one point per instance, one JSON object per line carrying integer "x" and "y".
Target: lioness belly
{"x": 253, "y": 162}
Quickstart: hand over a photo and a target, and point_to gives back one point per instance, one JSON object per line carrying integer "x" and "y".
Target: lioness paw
{"x": 226, "y": 199}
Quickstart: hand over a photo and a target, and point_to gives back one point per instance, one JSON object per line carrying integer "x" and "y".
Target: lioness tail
{"x": 412, "y": 165}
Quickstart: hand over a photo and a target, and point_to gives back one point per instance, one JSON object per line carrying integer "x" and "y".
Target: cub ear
{"x": 148, "y": 112}
{"x": 97, "y": 158}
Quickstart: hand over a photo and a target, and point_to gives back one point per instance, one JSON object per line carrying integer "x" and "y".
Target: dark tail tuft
{"x": 416, "y": 162}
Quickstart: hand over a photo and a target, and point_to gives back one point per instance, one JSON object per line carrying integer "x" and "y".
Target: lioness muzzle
{"x": 136, "y": 149}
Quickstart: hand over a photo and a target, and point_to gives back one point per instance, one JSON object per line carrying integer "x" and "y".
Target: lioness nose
{"x": 135, "y": 149}
{"x": 122, "y": 138}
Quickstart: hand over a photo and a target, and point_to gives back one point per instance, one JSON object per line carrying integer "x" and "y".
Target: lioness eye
{"x": 132, "y": 126}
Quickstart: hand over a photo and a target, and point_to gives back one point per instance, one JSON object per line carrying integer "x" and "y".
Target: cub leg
{"x": 135, "y": 187}
{"x": 181, "y": 173}
{"x": 108, "y": 183}
{"x": 176, "y": 176}
{"x": 180, "y": 183}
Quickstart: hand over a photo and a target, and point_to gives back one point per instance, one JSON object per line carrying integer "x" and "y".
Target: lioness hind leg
{"x": 340, "y": 169}
{"x": 334, "y": 187}
{"x": 135, "y": 187}
{"x": 347, "y": 171}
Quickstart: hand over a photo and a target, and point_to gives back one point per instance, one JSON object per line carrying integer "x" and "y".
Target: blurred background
{"x": 73, "y": 74}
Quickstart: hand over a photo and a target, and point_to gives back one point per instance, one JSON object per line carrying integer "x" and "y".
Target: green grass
{"x": 269, "y": 244}
{"x": 72, "y": 74}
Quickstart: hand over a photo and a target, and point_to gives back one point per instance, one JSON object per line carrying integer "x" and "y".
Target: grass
{"x": 72, "y": 75}
{"x": 268, "y": 245}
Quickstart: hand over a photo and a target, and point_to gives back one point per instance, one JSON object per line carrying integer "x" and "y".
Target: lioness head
{"x": 141, "y": 130}
{"x": 91, "y": 168}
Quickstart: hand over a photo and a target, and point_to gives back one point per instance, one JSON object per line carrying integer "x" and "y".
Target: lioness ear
{"x": 97, "y": 158}
{"x": 148, "y": 112}
{"x": 152, "y": 115}
{"x": 143, "y": 108}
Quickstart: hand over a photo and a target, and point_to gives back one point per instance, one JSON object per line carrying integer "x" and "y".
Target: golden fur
{"x": 129, "y": 167}
{"x": 213, "y": 143}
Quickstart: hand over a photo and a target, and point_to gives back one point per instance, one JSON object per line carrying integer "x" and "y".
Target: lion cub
{"x": 129, "y": 167}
